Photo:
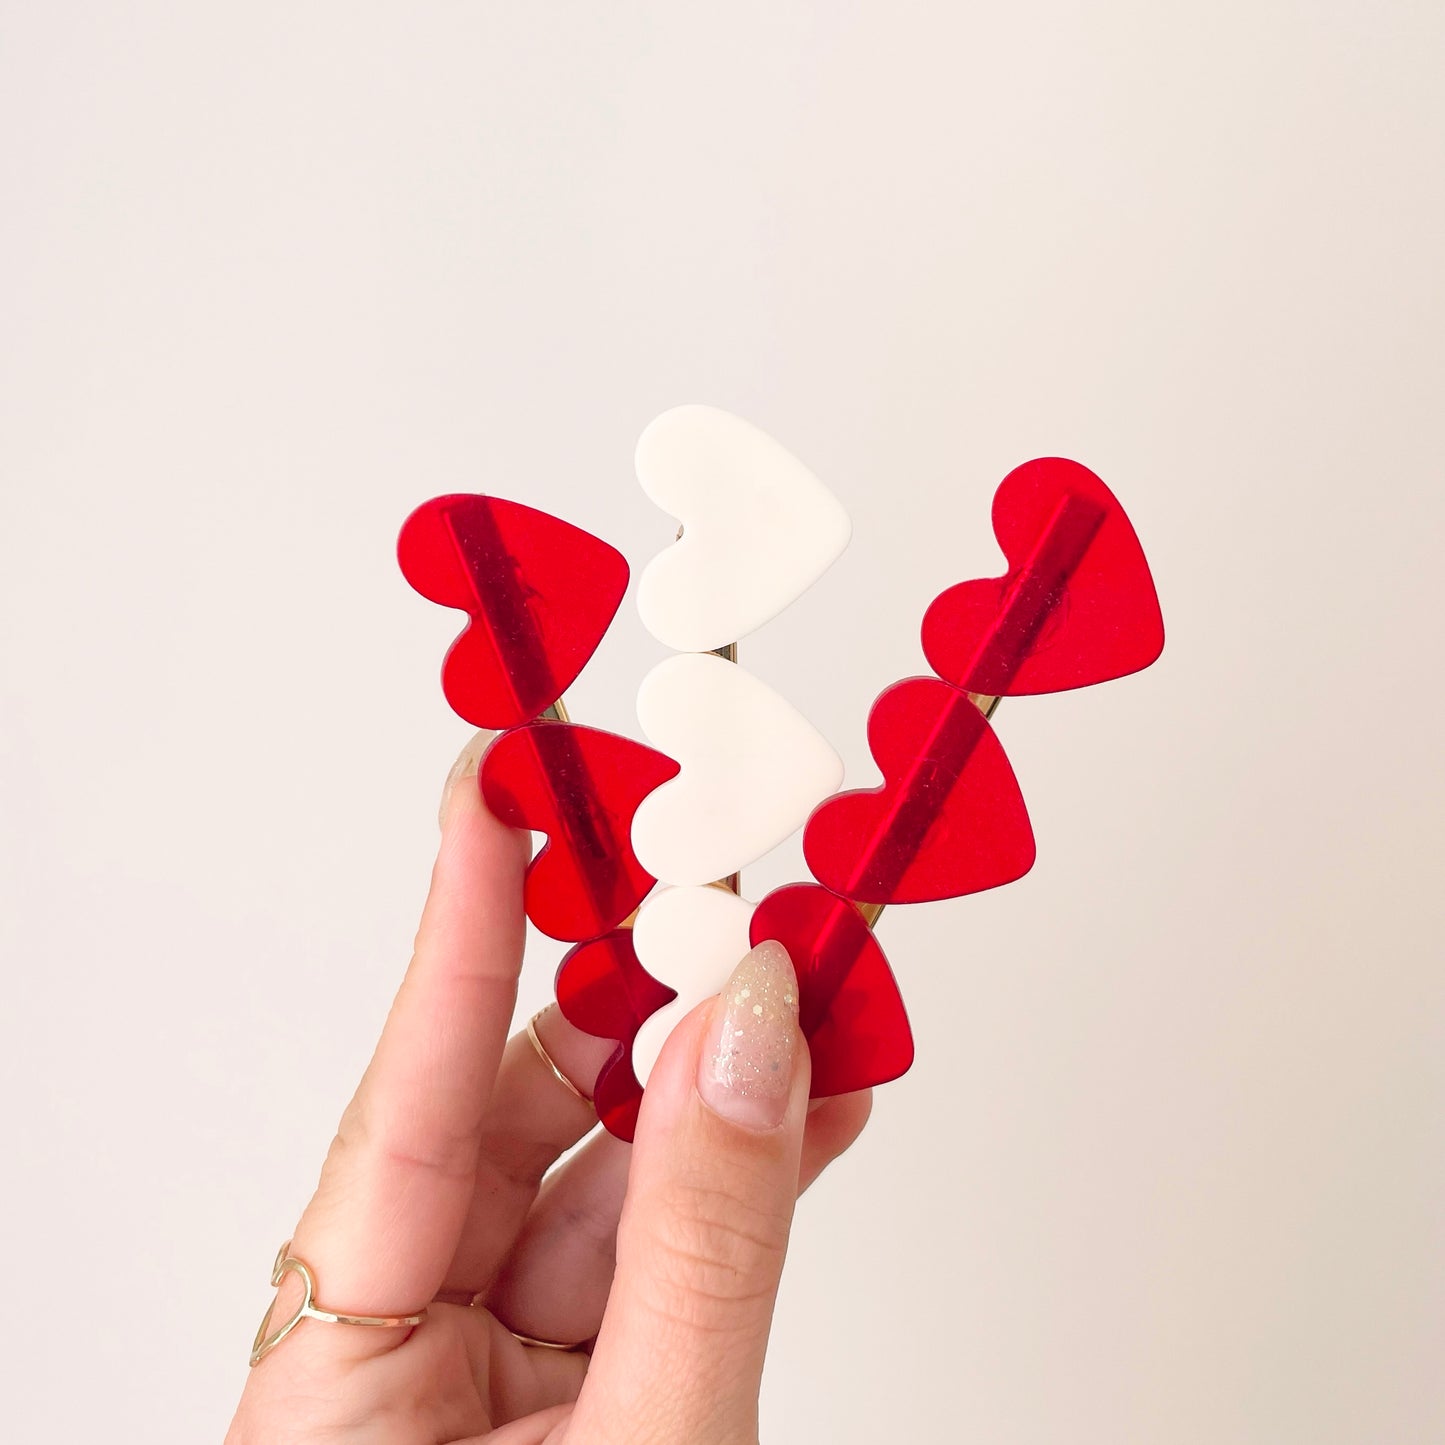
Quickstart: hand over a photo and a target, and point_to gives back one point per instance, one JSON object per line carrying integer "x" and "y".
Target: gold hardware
{"x": 561, "y": 1078}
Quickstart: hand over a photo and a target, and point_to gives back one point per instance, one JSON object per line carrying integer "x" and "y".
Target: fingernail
{"x": 466, "y": 765}
{"x": 746, "y": 1070}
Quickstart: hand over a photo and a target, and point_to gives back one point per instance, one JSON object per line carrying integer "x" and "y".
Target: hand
{"x": 665, "y": 1255}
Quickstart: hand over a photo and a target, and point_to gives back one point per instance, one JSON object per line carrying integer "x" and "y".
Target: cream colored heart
{"x": 690, "y": 939}
{"x": 752, "y": 769}
{"x": 758, "y": 528}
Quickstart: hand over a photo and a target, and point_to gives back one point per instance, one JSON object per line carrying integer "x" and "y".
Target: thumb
{"x": 704, "y": 1227}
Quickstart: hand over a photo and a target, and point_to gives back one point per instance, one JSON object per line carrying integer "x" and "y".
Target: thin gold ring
{"x": 537, "y": 1344}
{"x": 479, "y": 1302}
{"x": 566, "y": 1083}
{"x": 308, "y": 1309}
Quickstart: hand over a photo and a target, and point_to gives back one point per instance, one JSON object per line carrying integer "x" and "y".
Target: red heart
{"x": 1077, "y": 605}
{"x": 540, "y": 593}
{"x": 603, "y": 990}
{"x": 850, "y": 1010}
{"x": 948, "y": 820}
{"x": 580, "y": 786}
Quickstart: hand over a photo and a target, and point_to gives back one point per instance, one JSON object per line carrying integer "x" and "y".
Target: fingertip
{"x": 833, "y": 1127}
{"x": 467, "y": 765}
{"x": 850, "y": 1112}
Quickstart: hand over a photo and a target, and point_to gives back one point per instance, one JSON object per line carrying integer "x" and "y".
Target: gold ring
{"x": 566, "y": 1083}
{"x": 479, "y": 1302}
{"x": 537, "y": 1344}
{"x": 287, "y": 1263}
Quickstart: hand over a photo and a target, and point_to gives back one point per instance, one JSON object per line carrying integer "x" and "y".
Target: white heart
{"x": 752, "y": 769}
{"x": 691, "y": 939}
{"x": 758, "y": 528}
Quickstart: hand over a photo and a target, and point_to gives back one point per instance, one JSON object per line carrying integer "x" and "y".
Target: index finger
{"x": 398, "y": 1180}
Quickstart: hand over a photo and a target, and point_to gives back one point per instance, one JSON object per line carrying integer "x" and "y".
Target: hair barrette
{"x": 647, "y": 842}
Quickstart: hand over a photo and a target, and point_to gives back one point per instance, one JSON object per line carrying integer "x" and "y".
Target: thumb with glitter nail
{"x": 723, "y": 1141}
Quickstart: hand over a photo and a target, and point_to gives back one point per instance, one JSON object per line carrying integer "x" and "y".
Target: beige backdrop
{"x": 1169, "y": 1166}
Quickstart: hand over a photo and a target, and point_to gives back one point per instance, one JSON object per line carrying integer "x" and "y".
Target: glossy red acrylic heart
{"x": 603, "y": 990}
{"x": 580, "y": 786}
{"x": 948, "y": 820}
{"x": 540, "y": 593}
{"x": 1077, "y": 605}
{"x": 850, "y": 1010}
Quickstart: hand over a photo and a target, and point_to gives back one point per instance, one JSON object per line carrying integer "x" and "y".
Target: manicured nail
{"x": 746, "y": 1070}
{"x": 466, "y": 765}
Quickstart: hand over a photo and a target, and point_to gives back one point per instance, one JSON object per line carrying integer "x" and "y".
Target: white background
{"x": 1169, "y": 1166}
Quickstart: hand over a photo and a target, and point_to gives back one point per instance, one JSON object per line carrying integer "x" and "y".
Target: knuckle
{"x": 371, "y": 1133}
{"x": 592, "y": 1222}
{"x": 716, "y": 1257}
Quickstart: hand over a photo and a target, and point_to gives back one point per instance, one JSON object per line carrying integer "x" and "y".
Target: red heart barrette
{"x": 540, "y": 594}
{"x": 580, "y": 786}
{"x": 849, "y": 1007}
{"x": 949, "y": 818}
{"x": 603, "y": 990}
{"x": 1076, "y": 606}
